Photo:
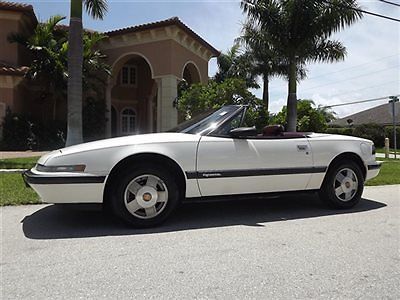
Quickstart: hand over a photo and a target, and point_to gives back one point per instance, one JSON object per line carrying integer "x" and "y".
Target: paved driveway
{"x": 278, "y": 248}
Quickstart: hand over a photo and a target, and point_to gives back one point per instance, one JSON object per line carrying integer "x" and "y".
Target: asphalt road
{"x": 278, "y": 248}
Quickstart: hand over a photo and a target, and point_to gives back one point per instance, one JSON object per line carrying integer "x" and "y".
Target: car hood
{"x": 130, "y": 140}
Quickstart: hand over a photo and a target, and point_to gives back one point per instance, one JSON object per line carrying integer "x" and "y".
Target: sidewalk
{"x": 18, "y": 154}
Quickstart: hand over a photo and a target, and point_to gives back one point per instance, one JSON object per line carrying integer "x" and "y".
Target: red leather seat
{"x": 273, "y": 130}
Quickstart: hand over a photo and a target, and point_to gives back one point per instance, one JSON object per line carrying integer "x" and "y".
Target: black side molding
{"x": 31, "y": 178}
{"x": 254, "y": 172}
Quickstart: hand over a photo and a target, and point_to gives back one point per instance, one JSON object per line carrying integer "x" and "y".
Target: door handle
{"x": 302, "y": 147}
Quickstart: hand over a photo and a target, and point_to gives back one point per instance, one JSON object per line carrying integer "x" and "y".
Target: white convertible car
{"x": 142, "y": 178}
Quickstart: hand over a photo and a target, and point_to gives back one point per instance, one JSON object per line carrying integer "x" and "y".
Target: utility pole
{"x": 393, "y": 100}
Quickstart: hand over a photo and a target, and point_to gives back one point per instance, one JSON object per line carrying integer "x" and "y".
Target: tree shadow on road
{"x": 80, "y": 221}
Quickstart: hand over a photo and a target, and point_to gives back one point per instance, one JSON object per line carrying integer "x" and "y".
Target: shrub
{"x": 16, "y": 132}
{"x": 343, "y": 131}
{"x": 23, "y": 133}
{"x": 389, "y": 135}
{"x": 51, "y": 135}
{"x": 334, "y": 126}
{"x": 309, "y": 117}
{"x": 373, "y": 132}
{"x": 94, "y": 119}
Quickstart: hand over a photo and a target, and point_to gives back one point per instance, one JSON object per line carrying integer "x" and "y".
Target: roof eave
{"x": 169, "y": 22}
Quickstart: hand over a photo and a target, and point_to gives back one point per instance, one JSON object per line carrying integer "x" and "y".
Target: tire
{"x": 144, "y": 197}
{"x": 343, "y": 185}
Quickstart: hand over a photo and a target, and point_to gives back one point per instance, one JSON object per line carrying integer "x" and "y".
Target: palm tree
{"x": 327, "y": 112}
{"x": 299, "y": 30}
{"x": 262, "y": 57}
{"x": 48, "y": 49}
{"x": 95, "y": 70}
{"x": 97, "y": 9}
{"x": 236, "y": 64}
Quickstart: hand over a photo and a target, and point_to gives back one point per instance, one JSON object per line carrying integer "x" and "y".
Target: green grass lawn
{"x": 18, "y": 163}
{"x": 14, "y": 192}
{"x": 389, "y": 174}
{"x": 382, "y": 150}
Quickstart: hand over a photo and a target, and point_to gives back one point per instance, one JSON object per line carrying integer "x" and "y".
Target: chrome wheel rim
{"x": 146, "y": 196}
{"x": 345, "y": 184}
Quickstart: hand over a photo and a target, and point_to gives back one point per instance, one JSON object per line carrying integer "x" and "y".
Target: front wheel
{"x": 145, "y": 197}
{"x": 343, "y": 185}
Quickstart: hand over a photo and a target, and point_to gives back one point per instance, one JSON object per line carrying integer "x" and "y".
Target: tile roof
{"x": 6, "y": 69}
{"x": 15, "y": 6}
{"x": 27, "y": 9}
{"x": 378, "y": 114}
{"x": 168, "y": 22}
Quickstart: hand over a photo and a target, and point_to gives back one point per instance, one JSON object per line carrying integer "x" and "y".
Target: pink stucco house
{"x": 147, "y": 62}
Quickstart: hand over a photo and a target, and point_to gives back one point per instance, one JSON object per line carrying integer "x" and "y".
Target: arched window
{"x": 128, "y": 121}
{"x": 191, "y": 73}
{"x": 129, "y": 75}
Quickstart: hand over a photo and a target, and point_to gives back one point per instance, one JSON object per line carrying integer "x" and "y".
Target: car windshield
{"x": 206, "y": 122}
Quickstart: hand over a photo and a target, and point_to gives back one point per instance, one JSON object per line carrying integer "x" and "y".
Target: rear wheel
{"x": 343, "y": 185}
{"x": 145, "y": 197}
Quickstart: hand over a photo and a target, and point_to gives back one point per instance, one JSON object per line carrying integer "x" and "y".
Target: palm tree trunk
{"x": 75, "y": 62}
{"x": 292, "y": 97}
{"x": 266, "y": 92}
{"x": 54, "y": 108}
{"x": 54, "y": 98}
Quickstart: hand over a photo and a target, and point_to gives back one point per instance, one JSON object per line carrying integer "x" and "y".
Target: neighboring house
{"x": 147, "y": 63}
{"x": 381, "y": 115}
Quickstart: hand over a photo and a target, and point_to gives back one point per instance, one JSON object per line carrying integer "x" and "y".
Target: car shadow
{"x": 80, "y": 221}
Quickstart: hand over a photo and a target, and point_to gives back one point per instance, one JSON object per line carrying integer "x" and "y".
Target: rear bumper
{"x": 66, "y": 188}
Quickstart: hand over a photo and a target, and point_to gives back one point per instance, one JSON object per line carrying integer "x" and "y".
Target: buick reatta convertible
{"x": 143, "y": 178}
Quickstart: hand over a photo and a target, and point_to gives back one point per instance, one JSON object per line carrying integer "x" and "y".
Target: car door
{"x": 228, "y": 166}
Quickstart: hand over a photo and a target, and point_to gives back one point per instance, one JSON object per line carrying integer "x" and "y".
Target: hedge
{"x": 21, "y": 132}
{"x": 389, "y": 134}
{"x": 336, "y": 130}
{"x": 374, "y": 132}
{"x": 24, "y": 133}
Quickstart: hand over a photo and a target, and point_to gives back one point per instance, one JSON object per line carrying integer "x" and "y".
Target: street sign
{"x": 396, "y": 109}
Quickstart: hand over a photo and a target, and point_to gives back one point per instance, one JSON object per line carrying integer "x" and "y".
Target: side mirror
{"x": 243, "y": 132}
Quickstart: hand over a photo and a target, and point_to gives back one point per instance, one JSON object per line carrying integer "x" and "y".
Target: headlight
{"x": 72, "y": 168}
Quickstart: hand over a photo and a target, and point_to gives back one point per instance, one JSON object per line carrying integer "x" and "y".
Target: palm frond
{"x": 96, "y": 8}
{"x": 328, "y": 51}
{"x": 15, "y": 37}
{"x": 53, "y": 21}
{"x": 337, "y": 14}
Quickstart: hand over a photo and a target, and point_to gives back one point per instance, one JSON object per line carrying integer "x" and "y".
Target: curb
{"x": 12, "y": 170}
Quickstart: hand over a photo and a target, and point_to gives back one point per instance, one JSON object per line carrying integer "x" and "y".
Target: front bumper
{"x": 35, "y": 178}
{"x": 373, "y": 170}
{"x": 66, "y": 187}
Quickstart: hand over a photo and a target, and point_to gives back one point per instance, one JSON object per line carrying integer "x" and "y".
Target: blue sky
{"x": 371, "y": 68}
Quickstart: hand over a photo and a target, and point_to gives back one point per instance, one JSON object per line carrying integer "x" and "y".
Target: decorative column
{"x": 167, "y": 93}
{"x": 108, "y": 111}
{"x": 159, "y": 106}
